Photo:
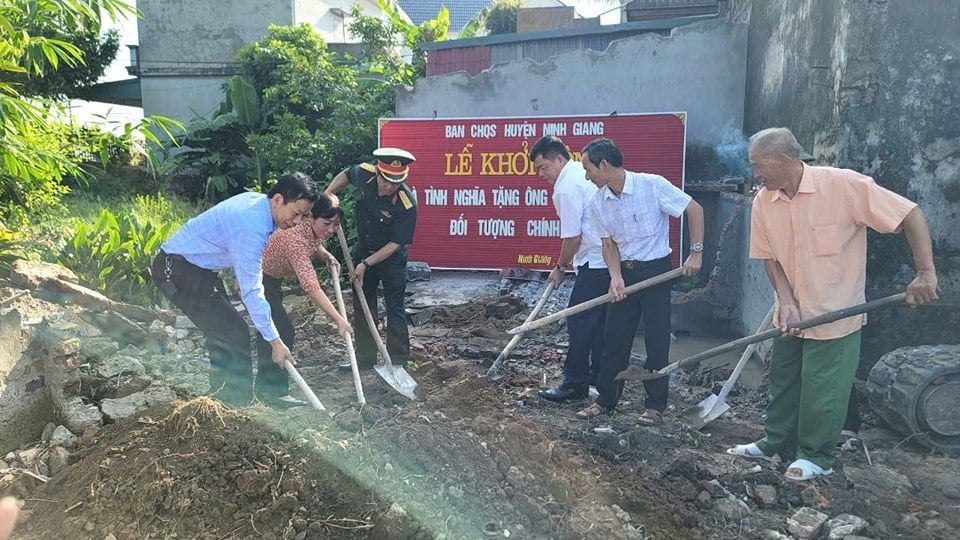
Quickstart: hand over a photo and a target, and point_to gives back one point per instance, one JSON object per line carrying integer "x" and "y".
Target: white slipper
{"x": 748, "y": 451}
{"x": 808, "y": 470}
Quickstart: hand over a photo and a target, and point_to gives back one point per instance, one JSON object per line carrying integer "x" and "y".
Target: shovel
{"x": 395, "y": 376}
{"x": 598, "y": 301}
{"x": 492, "y": 372}
{"x": 351, "y": 353}
{"x": 302, "y": 384}
{"x": 715, "y": 405}
{"x": 634, "y": 373}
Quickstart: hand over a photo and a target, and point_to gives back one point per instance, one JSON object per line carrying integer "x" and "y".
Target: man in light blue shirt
{"x": 232, "y": 234}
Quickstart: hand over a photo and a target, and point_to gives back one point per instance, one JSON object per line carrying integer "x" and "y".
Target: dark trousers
{"x": 272, "y": 380}
{"x": 652, "y": 305}
{"x": 393, "y": 274}
{"x": 585, "y": 329}
{"x": 200, "y": 295}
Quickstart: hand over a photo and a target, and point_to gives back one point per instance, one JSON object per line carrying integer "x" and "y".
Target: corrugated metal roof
{"x": 461, "y": 11}
{"x": 573, "y": 31}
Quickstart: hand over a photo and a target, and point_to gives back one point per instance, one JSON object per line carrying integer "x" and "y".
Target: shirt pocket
{"x": 827, "y": 241}
{"x": 640, "y": 224}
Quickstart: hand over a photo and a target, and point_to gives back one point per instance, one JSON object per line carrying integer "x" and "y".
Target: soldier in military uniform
{"x": 386, "y": 215}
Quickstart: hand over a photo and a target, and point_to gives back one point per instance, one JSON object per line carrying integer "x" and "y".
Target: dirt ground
{"x": 468, "y": 459}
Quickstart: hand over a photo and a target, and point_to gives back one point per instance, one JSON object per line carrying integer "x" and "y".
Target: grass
{"x": 46, "y": 232}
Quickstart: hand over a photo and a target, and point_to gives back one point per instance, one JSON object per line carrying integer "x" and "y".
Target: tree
{"x": 502, "y": 18}
{"x": 383, "y": 41}
{"x": 71, "y": 80}
{"x": 30, "y": 46}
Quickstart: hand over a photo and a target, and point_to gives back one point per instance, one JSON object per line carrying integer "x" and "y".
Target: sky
{"x": 128, "y": 32}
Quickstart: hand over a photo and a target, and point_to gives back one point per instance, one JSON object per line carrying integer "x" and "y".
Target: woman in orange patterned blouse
{"x": 288, "y": 253}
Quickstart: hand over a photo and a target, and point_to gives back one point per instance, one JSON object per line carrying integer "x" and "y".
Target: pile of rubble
{"x": 81, "y": 360}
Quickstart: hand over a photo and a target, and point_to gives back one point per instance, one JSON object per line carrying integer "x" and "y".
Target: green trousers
{"x": 810, "y": 382}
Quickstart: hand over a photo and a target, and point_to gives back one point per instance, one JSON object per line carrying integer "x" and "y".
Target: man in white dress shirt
{"x": 632, "y": 212}
{"x": 580, "y": 247}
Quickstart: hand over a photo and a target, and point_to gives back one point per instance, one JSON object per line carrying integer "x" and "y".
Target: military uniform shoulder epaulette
{"x": 406, "y": 198}
{"x": 369, "y": 167}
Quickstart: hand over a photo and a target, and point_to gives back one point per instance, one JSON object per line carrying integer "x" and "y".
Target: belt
{"x": 636, "y": 265}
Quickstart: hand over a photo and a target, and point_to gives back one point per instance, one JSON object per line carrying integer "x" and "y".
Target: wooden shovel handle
{"x": 600, "y": 300}
{"x": 635, "y": 374}
{"x": 351, "y": 353}
{"x": 358, "y": 290}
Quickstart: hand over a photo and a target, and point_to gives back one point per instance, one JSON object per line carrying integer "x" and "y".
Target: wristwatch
{"x": 696, "y": 247}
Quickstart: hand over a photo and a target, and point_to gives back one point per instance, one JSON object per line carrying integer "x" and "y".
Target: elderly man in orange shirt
{"x": 809, "y": 226}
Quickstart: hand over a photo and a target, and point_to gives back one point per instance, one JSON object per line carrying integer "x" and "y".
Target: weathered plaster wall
{"x": 188, "y": 48}
{"x": 698, "y": 68}
{"x": 872, "y": 86}
{"x": 24, "y": 403}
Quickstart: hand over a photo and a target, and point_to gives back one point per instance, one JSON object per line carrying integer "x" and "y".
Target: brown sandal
{"x": 593, "y": 410}
{"x": 650, "y": 417}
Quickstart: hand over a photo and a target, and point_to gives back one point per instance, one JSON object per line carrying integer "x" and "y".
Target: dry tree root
{"x": 186, "y": 417}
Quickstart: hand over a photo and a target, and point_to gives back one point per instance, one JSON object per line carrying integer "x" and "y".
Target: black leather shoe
{"x": 564, "y": 393}
{"x": 348, "y": 368}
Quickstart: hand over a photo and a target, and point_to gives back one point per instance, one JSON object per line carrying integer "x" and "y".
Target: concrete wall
{"x": 24, "y": 403}
{"x": 699, "y": 68}
{"x": 872, "y": 86}
{"x": 188, "y": 48}
{"x": 182, "y": 98}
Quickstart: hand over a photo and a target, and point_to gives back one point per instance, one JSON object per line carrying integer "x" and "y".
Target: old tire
{"x": 916, "y": 390}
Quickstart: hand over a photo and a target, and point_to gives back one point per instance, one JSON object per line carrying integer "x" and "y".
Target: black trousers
{"x": 585, "y": 329}
{"x": 272, "y": 380}
{"x": 652, "y": 305}
{"x": 392, "y": 273}
{"x": 200, "y": 295}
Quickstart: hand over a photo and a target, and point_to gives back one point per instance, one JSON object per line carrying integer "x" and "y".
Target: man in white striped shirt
{"x": 632, "y": 212}
{"x": 232, "y": 234}
{"x": 580, "y": 247}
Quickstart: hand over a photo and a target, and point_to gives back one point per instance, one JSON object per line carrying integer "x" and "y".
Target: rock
{"x": 63, "y": 437}
{"x": 844, "y": 525}
{"x": 97, "y": 347}
{"x": 79, "y": 416}
{"x": 806, "y": 523}
{"x": 59, "y": 459}
{"x": 156, "y": 327}
{"x": 909, "y": 521}
{"x": 455, "y": 492}
{"x": 181, "y": 333}
{"x": 765, "y": 495}
{"x": 770, "y": 534}
{"x": 47, "y": 432}
{"x": 184, "y": 347}
{"x": 951, "y": 492}
{"x": 116, "y": 409}
{"x": 879, "y": 479}
{"x": 732, "y": 508}
{"x": 184, "y": 322}
{"x": 32, "y": 274}
{"x": 418, "y": 271}
{"x": 28, "y": 458}
{"x": 812, "y": 497}
{"x": 119, "y": 365}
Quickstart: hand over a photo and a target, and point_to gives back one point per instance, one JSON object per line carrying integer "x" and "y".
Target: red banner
{"x": 480, "y": 203}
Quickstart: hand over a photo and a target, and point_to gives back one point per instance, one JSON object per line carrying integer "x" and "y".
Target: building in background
{"x": 187, "y": 48}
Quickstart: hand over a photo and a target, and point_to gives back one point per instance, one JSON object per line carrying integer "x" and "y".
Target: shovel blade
{"x": 711, "y": 414}
{"x": 637, "y": 373}
{"x": 398, "y": 379}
